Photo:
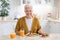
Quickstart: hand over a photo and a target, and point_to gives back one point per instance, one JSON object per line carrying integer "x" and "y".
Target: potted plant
{"x": 4, "y": 8}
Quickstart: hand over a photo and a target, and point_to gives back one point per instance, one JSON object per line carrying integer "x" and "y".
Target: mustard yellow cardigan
{"x": 22, "y": 24}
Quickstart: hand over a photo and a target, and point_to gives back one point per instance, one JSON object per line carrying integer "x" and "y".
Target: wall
{"x": 17, "y": 9}
{"x": 13, "y": 4}
{"x": 56, "y": 13}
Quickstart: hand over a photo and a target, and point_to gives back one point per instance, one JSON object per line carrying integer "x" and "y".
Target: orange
{"x": 12, "y": 36}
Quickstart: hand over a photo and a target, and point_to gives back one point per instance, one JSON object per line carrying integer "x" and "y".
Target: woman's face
{"x": 28, "y": 11}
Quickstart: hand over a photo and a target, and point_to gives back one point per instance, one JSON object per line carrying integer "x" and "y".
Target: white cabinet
{"x": 7, "y": 27}
{"x": 45, "y": 24}
{"x": 54, "y": 27}
{"x": 51, "y": 26}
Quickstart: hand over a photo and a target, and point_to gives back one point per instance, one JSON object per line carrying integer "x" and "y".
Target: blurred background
{"x": 48, "y": 12}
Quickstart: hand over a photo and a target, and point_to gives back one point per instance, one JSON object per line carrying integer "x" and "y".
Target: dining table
{"x": 52, "y": 36}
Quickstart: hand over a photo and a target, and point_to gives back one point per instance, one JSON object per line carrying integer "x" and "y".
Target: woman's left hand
{"x": 44, "y": 35}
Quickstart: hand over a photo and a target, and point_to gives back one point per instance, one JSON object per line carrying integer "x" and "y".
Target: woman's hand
{"x": 29, "y": 34}
{"x": 44, "y": 35}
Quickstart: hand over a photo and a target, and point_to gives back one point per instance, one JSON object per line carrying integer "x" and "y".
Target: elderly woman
{"x": 29, "y": 23}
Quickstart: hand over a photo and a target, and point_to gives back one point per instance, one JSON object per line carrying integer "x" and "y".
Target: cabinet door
{"x": 55, "y": 27}
{"x": 45, "y": 26}
{"x": 7, "y": 28}
{"x": 1, "y": 29}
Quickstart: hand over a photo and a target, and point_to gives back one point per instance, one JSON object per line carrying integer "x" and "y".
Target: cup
{"x": 21, "y": 32}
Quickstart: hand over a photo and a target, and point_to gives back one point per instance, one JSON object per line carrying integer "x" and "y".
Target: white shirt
{"x": 29, "y": 23}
